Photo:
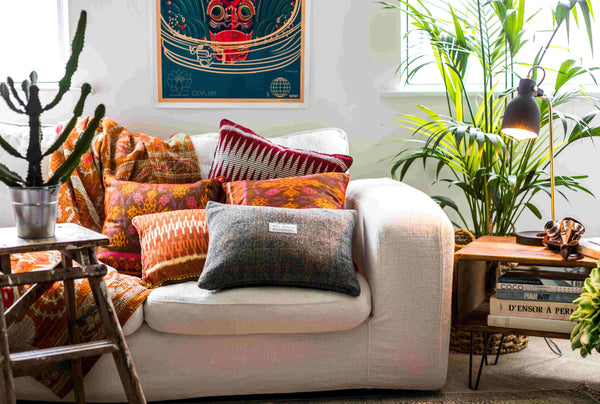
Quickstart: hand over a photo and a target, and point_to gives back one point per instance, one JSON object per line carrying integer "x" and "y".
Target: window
{"x": 33, "y": 36}
{"x": 539, "y": 31}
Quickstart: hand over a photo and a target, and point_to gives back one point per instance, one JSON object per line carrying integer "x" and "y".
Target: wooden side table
{"x": 470, "y": 306}
{"x": 79, "y": 244}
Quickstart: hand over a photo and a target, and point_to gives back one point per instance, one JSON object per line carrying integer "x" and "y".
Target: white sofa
{"x": 188, "y": 342}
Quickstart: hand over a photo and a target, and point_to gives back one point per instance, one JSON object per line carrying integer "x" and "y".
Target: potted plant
{"x": 586, "y": 334}
{"x": 497, "y": 176}
{"x": 34, "y": 200}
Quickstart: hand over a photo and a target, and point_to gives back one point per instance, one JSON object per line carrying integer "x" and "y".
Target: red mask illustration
{"x": 231, "y": 21}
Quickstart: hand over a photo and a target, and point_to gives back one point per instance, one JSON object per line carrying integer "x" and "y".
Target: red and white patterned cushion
{"x": 243, "y": 155}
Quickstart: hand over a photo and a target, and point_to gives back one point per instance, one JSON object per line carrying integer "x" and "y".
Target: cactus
{"x": 585, "y": 336}
{"x": 33, "y": 108}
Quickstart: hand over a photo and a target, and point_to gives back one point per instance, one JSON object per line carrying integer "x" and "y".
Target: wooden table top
{"x": 66, "y": 236}
{"x": 506, "y": 249}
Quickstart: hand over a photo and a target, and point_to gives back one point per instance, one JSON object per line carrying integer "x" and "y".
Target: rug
{"x": 579, "y": 395}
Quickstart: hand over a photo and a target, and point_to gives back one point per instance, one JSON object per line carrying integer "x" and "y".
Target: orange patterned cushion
{"x": 125, "y": 200}
{"x": 174, "y": 245}
{"x": 310, "y": 191}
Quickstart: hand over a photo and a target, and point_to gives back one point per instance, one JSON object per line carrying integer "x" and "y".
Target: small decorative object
{"x": 34, "y": 200}
{"x": 564, "y": 236}
{"x": 585, "y": 335}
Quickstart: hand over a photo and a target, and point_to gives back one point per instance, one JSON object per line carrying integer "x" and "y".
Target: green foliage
{"x": 32, "y": 107}
{"x": 586, "y": 335}
{"x": 497, "y": 176}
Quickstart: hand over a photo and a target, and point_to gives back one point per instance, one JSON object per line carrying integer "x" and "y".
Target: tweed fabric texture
{"x": 261, "y": 245}
{"x": 326, "y": 191}
{"x": 125, "y": 200}
{"x": 241, "y": 154}
{"x": 174, "y": 245}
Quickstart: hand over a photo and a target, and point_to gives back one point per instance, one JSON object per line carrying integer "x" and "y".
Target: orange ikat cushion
{"x": 174, "y": 246}
{"x": 326, "y": 190}
{"x": 125, "y": 200}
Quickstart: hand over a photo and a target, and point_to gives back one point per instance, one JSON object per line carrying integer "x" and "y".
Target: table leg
{"x": 8, "y": 395}
{"x": 73, "y": 329}
{"x": 5, "y": 264}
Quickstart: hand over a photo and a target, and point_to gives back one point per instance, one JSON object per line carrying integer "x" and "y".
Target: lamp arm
{"x": 550, "y": 136}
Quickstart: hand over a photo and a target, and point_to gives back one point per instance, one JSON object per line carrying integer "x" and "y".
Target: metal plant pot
{"x": 35, "y": 210}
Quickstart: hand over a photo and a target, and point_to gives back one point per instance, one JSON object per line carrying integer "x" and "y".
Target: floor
{"x": 534, "y": 368}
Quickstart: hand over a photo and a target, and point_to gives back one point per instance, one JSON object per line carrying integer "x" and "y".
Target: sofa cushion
{"x": 244, "y": 155}
{"x": 185, "y": 309}
{"x": 262, "y": 245}
{"x": 324, "y": 140}
{"x": 134, "y": 322}
{"x": 174, "y": 246}
{"x": 125, "y": 200}
{"x": 327, "y": 190}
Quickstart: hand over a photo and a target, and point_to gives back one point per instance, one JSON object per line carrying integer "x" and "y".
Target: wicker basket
{"x": 460, "y": 340}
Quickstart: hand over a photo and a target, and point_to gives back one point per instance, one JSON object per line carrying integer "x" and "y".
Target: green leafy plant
{"x": 33, "y": 108}
{"x": 497, "y": 176}
{"x": 586, "y": 335}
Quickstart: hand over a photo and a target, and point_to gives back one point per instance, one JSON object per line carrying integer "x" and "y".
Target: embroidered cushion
{"x": 125, "y": 200}
{"x": 173, "y": 245}
{"x": 323, "y": 140}
{"x": 241, "y": 154}
{"x": 261, "y": 245}
{"x": 326, "y": 190}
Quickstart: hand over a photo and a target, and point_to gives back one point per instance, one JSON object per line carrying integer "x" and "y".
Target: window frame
{"x": 403, "y": 88}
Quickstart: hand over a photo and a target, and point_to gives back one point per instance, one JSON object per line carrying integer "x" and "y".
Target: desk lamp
{"x": 521, "y": 121}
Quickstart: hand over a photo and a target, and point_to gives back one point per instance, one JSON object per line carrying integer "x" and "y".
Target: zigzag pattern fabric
{"x": 174, "y": 245}
{"x": 241, "y": 155}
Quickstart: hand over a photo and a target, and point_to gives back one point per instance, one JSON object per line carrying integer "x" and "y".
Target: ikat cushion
{"x": 326, "y": 190}
{"x": 174, "y": 245}
{"x": 261, "y": 245}
{"x": 125, "y": 200}
{"x": 241, "y": 154}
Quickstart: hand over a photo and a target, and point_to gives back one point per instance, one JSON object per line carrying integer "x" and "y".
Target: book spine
{"x": 539, "y": 288}
{"x": 590, "y": 249}
{"x": 536, "y": 296}
{"x": 525, "y": 280}
{"x": 537, "y": 324}
{"x": 528, "y": 308}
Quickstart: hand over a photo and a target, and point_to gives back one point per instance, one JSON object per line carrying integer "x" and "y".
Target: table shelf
{"x": 477, "y": 321}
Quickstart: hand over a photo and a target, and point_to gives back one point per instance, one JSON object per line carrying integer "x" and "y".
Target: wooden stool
{"x": 79, "y": 244}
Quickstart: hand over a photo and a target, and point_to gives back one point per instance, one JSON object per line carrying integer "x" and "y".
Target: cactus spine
{"x": 33, "y": 108}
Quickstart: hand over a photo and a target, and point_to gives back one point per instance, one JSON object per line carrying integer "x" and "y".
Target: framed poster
{"x": 231, "y": 52}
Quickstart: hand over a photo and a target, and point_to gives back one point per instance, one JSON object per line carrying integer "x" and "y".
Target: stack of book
{"x": 539, "y": 299}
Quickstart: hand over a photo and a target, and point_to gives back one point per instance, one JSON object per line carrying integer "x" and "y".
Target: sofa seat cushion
{"x": 186, "y": 309}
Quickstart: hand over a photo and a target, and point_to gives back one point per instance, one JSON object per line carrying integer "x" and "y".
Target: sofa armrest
{"x": 404, "y": 246}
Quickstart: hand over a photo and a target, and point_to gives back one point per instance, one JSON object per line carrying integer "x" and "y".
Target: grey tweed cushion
{"x": 260, "y": 245}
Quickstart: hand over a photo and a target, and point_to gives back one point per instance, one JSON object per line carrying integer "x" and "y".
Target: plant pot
{"x": 35, "y": 210}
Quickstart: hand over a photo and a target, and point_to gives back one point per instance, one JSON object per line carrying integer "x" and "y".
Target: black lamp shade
{"x": 522, "y": 115}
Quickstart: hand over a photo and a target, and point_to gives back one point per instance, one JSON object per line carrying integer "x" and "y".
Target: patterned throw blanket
{"x": 133, "y": 157}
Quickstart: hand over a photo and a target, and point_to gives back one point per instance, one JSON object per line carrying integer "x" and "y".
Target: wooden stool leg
{"x": 122, "y": 358}
{"x": 8, "y": 396}
{"x": 74, "y": 338}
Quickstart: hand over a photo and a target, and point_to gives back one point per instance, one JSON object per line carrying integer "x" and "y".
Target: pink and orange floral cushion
{"x": 326, "y": 191}
{"x": 125, "y": 200}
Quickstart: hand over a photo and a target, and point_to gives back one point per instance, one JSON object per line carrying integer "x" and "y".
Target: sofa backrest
{"x": 326, "y": 140}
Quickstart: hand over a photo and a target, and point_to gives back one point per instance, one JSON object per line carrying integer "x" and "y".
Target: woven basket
{"x": 460, "y": 340}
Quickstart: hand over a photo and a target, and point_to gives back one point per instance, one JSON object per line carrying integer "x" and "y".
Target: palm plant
{"x": 498, "y": 176}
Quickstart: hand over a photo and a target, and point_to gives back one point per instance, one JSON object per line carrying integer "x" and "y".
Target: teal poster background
{"x": 231, "y": 50}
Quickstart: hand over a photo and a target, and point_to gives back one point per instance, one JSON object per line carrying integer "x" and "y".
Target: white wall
{"x": 353, "y": 53}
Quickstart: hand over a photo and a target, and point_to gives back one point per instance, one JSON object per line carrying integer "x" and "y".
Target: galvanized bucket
{"x": 35, "y": 210}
